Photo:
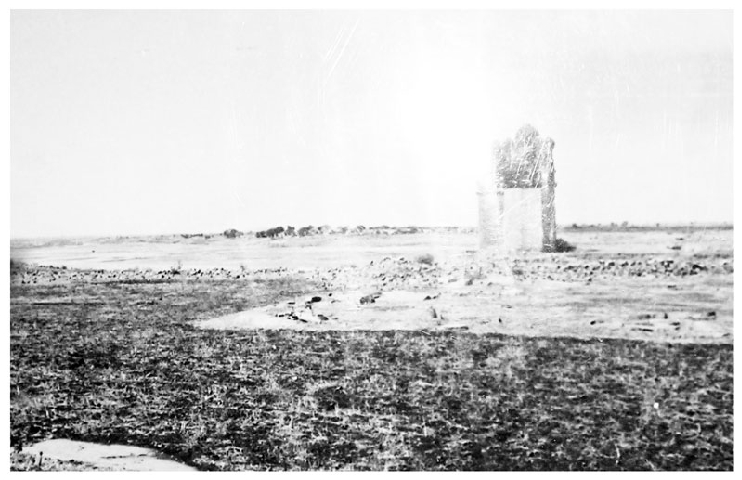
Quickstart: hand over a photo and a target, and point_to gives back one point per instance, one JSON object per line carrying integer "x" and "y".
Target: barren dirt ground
{"x": 259, "y": 354}
{"x": 617, "y": 284}
{"x": 335, "y": 251}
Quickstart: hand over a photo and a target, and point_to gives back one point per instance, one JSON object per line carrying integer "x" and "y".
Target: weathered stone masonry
{"x": 516, "y": 204}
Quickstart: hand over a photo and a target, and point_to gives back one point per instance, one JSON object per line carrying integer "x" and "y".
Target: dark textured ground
{"x": 119, "y": 361}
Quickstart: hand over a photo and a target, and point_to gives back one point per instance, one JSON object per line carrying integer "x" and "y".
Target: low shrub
{"x": 560, "y": 246}
{"x": 426, "y": 259}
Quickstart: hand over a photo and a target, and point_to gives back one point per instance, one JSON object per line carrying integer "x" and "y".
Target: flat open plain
{"x": 246, "y": 353}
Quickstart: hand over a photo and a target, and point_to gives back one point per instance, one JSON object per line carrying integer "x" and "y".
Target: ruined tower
{"x": 516, "y": 204}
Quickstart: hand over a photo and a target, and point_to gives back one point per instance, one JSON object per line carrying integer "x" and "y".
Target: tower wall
{"x": 548, "y": 216}
{"x": 489, "y": 218}
{"x": 521, "y": 220}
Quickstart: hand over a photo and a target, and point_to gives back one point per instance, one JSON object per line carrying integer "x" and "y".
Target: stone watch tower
{"x": 516, "y": 202}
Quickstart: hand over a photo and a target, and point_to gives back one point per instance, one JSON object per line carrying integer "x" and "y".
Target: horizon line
{"x": 567, "y": 225}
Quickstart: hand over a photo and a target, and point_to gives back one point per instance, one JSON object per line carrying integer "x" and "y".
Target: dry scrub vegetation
{"x": 121, "y": 363}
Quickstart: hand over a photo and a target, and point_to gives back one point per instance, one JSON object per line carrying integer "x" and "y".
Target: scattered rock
{"x": 460, "y": 328}
{"x": 306, "y": 315}
{"x": 426, "y": 259}
{"x": 371, "y": 298}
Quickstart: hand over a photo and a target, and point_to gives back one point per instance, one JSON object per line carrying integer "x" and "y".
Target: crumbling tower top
{"x": 524, "y": 161}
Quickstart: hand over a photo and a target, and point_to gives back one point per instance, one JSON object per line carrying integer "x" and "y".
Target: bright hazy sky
{"x": 133, "y": 122}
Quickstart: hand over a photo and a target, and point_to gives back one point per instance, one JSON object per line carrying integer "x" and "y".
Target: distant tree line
{"x": 232, "y": 233}
{"x": 307, "y": 231}
{"x": 271, "y": 232}
{"x": 310, "y": 230}
{"x": 195, "y": 235}
{"x": 289, "y": 231}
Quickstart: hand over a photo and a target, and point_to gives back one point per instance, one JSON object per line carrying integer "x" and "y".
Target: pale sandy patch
{"x": 637, "y": 308}
{"x": 107, "y": 457}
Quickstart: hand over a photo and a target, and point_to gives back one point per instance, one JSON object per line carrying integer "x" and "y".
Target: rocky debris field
{"x": 407, "y": 273}
{"x": 401, "y": 272}
{"x": 680, "y": 298}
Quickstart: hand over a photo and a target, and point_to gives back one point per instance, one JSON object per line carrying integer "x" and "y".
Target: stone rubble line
{"x": 390, "y": 273}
